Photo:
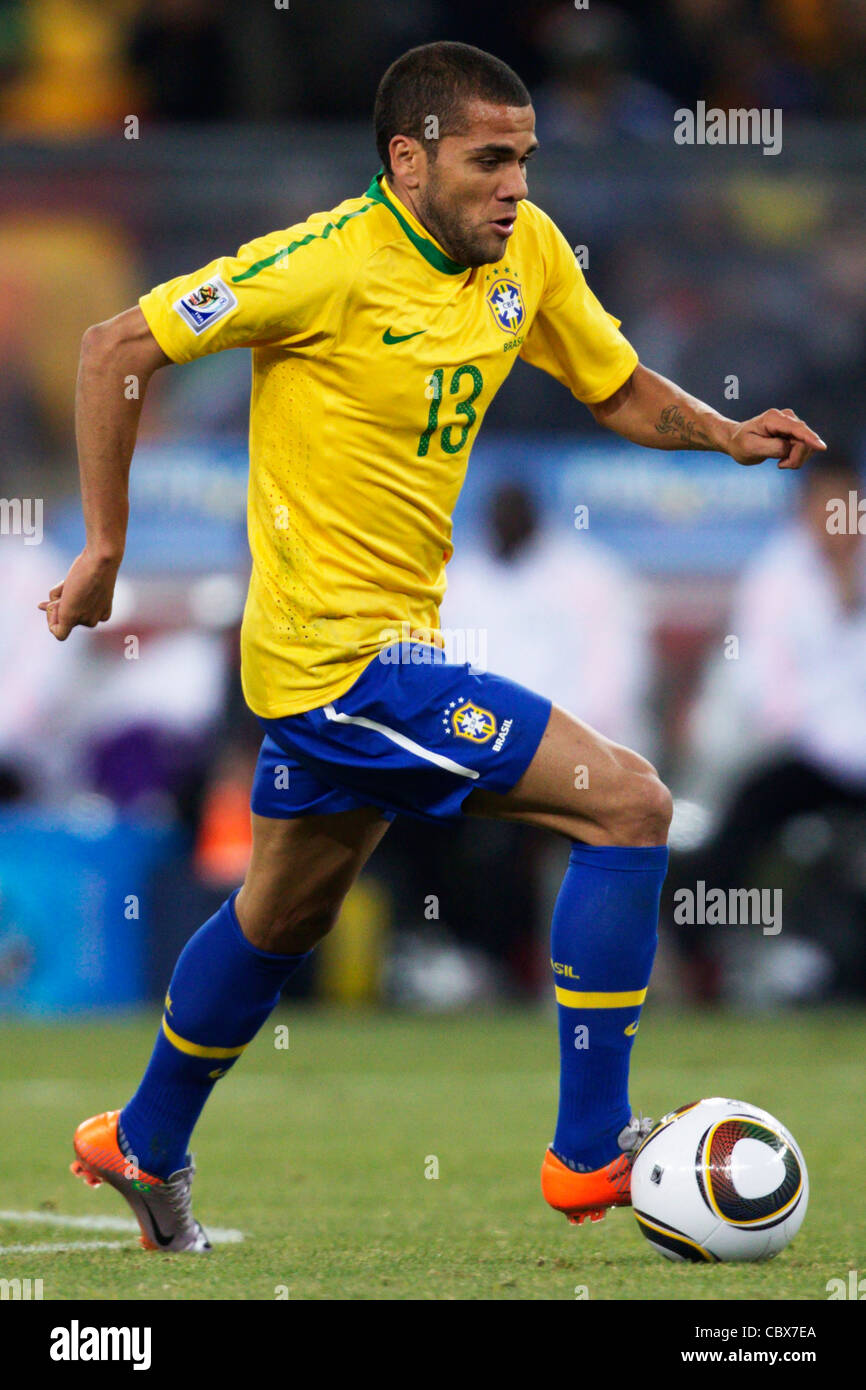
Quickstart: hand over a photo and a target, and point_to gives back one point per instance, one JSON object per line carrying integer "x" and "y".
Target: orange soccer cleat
{"x": 589, "y": 1195}
{"x": 161, "y": 1205}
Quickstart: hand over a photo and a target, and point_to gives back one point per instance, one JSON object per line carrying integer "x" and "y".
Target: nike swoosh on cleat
{"x": 389, "y": 337}
{"x": 161, "y": 1239}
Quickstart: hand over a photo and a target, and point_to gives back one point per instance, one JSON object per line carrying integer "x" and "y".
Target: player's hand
{"x": 84, "y": 598}
{"x": 777, "y": 434}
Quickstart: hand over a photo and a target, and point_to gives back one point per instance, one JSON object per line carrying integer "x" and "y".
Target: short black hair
{"x": 439, "y": 79}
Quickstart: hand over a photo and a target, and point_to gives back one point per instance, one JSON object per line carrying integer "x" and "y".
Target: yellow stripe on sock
{"x": 195, "y": 1050}
{"x": 578, "y": 999}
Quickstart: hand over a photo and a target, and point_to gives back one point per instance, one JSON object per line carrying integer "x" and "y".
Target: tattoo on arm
{"x": 673, "y": 421}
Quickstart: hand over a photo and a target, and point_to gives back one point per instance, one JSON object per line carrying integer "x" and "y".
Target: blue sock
{"x": 603, "y": 942}
{"x": 221, "y": 992}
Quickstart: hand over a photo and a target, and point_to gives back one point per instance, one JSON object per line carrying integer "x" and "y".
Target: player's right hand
{"x": 84, "y": 597}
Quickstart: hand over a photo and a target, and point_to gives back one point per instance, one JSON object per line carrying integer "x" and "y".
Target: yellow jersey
{"x": 375, "y": 357}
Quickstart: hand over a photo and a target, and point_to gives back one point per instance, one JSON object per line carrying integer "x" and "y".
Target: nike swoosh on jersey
{"x": 389, "y": 337}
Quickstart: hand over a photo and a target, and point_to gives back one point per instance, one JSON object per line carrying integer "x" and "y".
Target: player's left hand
{"x": 777, "y": 434}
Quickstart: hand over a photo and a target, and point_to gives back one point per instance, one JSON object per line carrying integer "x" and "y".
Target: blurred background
{"x": 702, "y": 613}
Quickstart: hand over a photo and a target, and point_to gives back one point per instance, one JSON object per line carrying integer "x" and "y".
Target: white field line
{"x": 218, "y": 1235}
{"x": 64, "y": 1247}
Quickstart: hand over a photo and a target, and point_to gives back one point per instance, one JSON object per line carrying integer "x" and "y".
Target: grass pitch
{"x": 319, "y": 1152}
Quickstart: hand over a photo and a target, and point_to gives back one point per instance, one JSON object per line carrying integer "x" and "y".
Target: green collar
{"x": 429, "y": 250}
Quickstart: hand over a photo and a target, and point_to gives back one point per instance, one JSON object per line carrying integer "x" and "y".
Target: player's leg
{"x": 226, "y": 982}
{"x": 611, "y": 804}
{"x": 299, "y": 874}
{"x": 583, "y": 786}
{"x": 420, "y": 735}
{"x": 229, "y": 975}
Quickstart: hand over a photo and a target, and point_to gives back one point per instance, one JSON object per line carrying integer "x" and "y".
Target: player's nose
{"x": 513, "y": 187}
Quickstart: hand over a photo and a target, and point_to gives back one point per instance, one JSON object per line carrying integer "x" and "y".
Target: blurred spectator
{"x": 224, "y": 835}
{"x": 143, "y": 710}
{"x": 797, "y": 689}
{"x": 154, "y": 702}
{"x": 785, "y": 718}
{"x": 42, "y": 678}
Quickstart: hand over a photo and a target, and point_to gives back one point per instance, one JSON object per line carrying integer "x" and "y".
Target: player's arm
{"x": 106, "y": 425}
{"x": 579, "y": 344}
{"x": 286, "y": 288}
{"x": 650, "y": 410}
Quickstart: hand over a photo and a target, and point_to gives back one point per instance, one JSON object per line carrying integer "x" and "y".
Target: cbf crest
{"x": 468, "y": 720}
{"x": 505, "y": 298}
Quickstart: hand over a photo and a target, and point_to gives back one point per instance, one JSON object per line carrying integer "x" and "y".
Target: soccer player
{"x": 380, "y": 332}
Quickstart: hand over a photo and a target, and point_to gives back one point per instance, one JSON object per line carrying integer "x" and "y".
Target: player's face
{"x": 469, "y": 193}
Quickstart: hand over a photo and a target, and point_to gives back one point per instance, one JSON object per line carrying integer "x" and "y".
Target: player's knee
{"x": 285, "y": 928}
{"x": 642, "y": 813}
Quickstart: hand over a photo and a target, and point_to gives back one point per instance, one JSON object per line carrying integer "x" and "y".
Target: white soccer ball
{"x": 719, "y": 1180}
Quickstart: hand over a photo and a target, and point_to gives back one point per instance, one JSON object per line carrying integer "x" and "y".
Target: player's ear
{"x": 405, "y": 156}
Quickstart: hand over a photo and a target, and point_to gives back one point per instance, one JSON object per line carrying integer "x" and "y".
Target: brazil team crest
{"x": 468, "y": 720}
{"x": 505, "y": 298}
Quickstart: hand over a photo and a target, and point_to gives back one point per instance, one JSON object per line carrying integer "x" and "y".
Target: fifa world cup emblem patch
{"x": 470, "y": 721}
{"x": 505, "y": 298}
{"x": 206, "y": 304}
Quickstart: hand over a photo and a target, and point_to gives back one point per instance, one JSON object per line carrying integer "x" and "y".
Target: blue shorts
{"x": 414, "y": 735}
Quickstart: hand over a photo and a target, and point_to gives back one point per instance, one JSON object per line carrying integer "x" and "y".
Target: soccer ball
{"x": 719, "y": 1180}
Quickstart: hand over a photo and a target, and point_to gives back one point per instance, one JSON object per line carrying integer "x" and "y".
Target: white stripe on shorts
{"x": 402, "y": 741}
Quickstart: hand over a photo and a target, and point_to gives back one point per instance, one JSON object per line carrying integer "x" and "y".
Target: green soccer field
{"x": 317, "y": 1153}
